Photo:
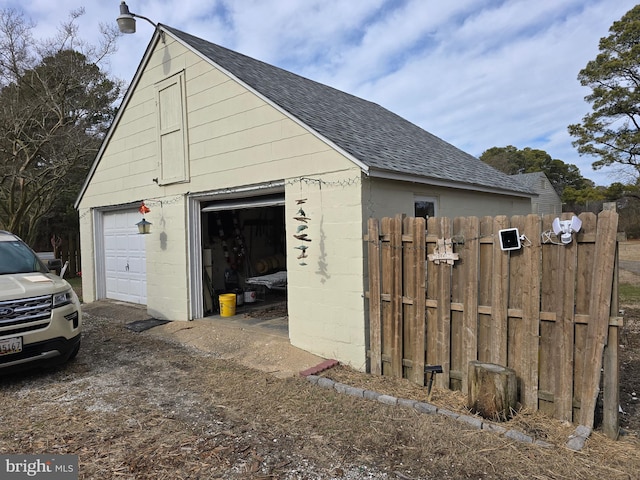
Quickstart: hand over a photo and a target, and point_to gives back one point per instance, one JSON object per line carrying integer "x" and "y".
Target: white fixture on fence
{"x": 565, "y": 228}
{"x": 510, "y": 239}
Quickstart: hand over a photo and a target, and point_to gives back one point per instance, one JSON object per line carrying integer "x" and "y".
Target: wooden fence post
{"x": 375, "y": 327}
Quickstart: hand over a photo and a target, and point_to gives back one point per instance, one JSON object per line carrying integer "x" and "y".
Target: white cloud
{"x": 477, "y": 73}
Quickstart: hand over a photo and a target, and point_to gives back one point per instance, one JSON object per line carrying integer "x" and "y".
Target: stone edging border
{"x": 423, "y": 407}
{"x": 576, "y": 440}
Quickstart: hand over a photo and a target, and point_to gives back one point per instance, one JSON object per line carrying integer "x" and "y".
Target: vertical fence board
{"x": 375, "y": 328}
{"x": 419, "y": 243}
{"x": 564, "y": 328}
{"x": 457, "y": 364}
{"x": 516, "y": 333}
{"x": 396, "y": 296}
{"x": 611, "y": 394}
{"x": 531, "y": 312}
{"x": 484, "y": 289}
{"x": 599, "y": 310}
{"x": 584, "y": 272}
{"x": 431, "y": 345}
{"x": 470, "y": 263}
{"x": 386, "y": 283}
{"x": 444, "y": 311}
{"x": 499, "y": 282}
{"x": 548, "y": 299}
{"x": 408, "y": 291}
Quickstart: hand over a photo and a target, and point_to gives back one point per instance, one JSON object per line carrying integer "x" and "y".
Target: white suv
{"x": 40, "y": 315}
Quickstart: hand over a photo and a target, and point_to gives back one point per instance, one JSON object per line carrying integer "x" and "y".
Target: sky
{"x": 476, "y": 73}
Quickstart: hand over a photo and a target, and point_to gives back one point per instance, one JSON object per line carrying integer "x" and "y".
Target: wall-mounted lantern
{"x": 144, "y": 226}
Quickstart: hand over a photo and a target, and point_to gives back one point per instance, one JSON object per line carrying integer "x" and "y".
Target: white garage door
{"x": 124, "y": 257}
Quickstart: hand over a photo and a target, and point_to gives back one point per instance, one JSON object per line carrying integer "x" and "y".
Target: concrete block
{"x": 579, "y": 437}
{"x": 448, "y": 413}
{"x": 388, "y": 400}
{"x": 370, "y": 395}
{"x": 325, "y": 382}
{"x": 583, "y": 431}
{"x": 406, "y": 403}
{"x": 340, "y": 387}
{"x": 576, "y": 443}
{"x": 423, "y": 407}
{"x": 492, "y": 427}
{"x": 518, "y": 436}
{"x": 475, "y": 422}
{"x": 313, "y": 379}
{"x": 354, "y": 391}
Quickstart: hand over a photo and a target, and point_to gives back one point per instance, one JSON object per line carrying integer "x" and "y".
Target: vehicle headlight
{"x": 61, "y": 299}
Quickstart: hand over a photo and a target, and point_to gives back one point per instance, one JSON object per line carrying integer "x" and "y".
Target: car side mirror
{"x": 54, "y": 264}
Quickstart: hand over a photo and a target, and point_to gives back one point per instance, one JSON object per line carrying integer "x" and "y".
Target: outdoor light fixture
{"x": 565, "y": 228}
{"x": 144, "y": 226}
{"x": 127, "y": 20}
{"x": 510, "y": 239}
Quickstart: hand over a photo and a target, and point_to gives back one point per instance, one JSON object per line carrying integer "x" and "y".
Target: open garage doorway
{"x": 243, "y": 253}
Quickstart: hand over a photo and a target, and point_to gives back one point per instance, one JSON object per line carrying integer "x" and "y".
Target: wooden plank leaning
{"x": 611, "y": 369}
{"x": 599, "y": 311}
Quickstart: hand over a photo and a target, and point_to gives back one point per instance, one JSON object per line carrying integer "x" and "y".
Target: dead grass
{"x": 629, "y": 250}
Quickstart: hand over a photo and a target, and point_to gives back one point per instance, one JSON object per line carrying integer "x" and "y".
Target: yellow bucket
{"x": 227, "y": 304}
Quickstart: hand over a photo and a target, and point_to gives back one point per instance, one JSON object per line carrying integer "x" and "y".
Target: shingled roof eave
{"x": 439, "y": 182}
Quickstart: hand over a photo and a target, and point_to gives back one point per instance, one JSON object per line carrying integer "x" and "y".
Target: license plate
{"x": 10, "y": 345}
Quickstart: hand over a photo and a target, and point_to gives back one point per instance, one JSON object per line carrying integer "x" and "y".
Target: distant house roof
{"x": 530, "y": 180}
{"x": 547, "y": 201}
{"x": 373, "y": 135}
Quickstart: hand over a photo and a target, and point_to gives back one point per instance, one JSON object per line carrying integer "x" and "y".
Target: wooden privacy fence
{"x": 547, "y": 310}
{"x": 66, "y": 249}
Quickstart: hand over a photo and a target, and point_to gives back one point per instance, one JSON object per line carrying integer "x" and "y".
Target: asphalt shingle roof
{"x": 530, "y": 180}
{"x": 372, "y": 134}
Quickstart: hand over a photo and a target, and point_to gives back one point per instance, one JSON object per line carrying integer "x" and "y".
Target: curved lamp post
{"x": 127, "y": 20}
